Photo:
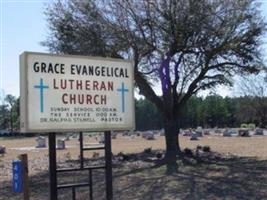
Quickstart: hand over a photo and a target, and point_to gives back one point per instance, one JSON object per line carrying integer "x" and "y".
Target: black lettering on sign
{"x": 51, "y": 68}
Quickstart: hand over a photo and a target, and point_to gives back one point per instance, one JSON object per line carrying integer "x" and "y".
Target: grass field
{"x": 241, "y": 173}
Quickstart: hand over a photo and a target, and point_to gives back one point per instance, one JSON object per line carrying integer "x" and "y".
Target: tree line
{"x": 209, "y": 112}
{"x": 9, "y": 113}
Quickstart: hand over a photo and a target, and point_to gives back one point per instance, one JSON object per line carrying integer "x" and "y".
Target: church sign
{"x": 75, "y": 93}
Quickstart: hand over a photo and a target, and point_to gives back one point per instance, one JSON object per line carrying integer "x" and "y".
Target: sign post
{"x": 52, "y": 165}
{"x": 25, "y": 176}
{"x": 108, "y": 157}
{"x": 20, "y": 176}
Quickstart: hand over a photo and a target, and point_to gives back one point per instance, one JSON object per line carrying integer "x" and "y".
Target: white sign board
{"x": 75, "y": 93}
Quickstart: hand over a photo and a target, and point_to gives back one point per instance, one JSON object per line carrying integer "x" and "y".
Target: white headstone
{"x": 259, "y": 131}
{"x": 102, "y": 140}
{"x": 67, "y": 138}
{"x": 41, "y": 142}
{"x": 61, "y": 144}
{"x": 2, "y": 149}
{"x": 194, "y": 136}
{"x": 149, "y": 135}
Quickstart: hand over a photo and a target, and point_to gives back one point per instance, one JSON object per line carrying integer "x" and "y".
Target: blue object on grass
{"x": 17, "y": 175}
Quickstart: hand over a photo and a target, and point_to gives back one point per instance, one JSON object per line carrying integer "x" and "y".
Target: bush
{"x": 95, "y": 155}
{"x": 244, "y": 126}
{"x": 251, "y": 126}
{"x": 206, "y": 149}
{"x": 123, "y": 157}
{"x": 188, "y": 152}
{"x": 199, "y": 147}
{"x": 148, "y": 150}
{"x": 159, "y": 155}
{"x": 68, "y": 156}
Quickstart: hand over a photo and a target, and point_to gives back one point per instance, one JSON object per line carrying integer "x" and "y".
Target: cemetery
{"x": 133, "y": 100}
{"x": 128, "y": 155}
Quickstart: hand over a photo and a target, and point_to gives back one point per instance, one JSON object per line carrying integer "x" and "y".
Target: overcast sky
{"x": 23, "y": 27}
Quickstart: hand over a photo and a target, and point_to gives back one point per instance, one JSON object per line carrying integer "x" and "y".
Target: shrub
{"x": 244, "y": 126}
{"x": 148, "y": 150}
{"x": 68, "y": 156}
{"x": 206, "y": 149}
{"x": 123, "y": 157}
{"x": 199, "y": 147}
{"x": 159, "y": 155}
{"x": 188, "y": 152}
{"x": 251, "y": 126}
{"x": 95, "y": 155}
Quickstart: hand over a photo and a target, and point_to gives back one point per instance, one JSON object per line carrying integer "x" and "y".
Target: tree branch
{"x": 149, "y": 72}
{"x": 147, "y": 91}
{"x": 192, "y": 87}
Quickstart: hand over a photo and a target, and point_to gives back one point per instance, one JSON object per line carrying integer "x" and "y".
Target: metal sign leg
{"x": 52, "y": 166}
{"x": 108, "y": 159}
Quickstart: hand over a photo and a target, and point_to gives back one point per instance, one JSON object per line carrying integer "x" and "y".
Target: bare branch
{"x": 147, "y": 91}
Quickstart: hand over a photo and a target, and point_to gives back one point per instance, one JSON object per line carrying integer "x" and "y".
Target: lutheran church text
{"x": 83, "y": 84}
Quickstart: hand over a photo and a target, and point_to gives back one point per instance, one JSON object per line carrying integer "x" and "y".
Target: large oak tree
{"x": 183, "y": 45}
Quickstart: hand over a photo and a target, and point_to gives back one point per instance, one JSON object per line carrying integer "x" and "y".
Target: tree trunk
{"x": 172, "y": 145}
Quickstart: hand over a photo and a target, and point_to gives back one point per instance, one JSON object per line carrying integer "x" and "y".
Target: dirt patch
{"x": 214, "y": 177}
{"x": 229, "y": 177}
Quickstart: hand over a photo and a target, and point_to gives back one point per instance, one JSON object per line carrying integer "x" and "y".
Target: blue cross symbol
{"x": 122, "y": 90}
{"x": 41, "y": 87}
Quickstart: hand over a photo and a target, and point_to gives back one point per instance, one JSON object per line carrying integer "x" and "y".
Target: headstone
{"x": 227, "y": 133}
{"x": 206, "y": 132}
{"x": 113, "y": 135}
{"x": 218, "y": 131}
{"x": 125, "y": 133}
{"x": 194, "y": 136}
{"x": 243, "y": 132}
{"x": 259, "y": 131}
{"x": 199, "y": 131}
{"x": 137, "y": 133}
{"x": 149, "y": 135}
{"x": 67, "y": 138}
{"x": 162, "y": 132}
{"x": 156, "y": 132}
{"x": 230, "y": 132}
{"x": 41, "y": 142}
{"x": 131, "y": 132}
{"x": 2, "y": 149}
{"x": 187, "y": 133}
{"x": 61, "y": 144}
{"x": 102, "y": 140}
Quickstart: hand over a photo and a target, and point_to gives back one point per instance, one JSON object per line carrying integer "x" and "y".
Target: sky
{"x": 22, "y": 27}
